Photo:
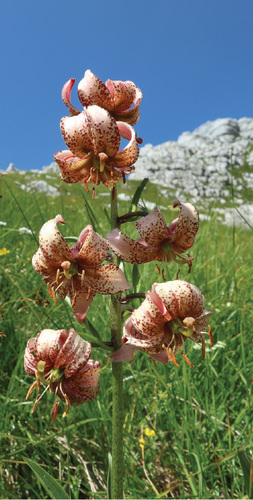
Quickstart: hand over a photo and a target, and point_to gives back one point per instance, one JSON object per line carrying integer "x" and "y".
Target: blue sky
{"x": 191, "y": 58}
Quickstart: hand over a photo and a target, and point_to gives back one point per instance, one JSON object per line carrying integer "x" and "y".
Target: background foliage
{"x": 200, "y": 417}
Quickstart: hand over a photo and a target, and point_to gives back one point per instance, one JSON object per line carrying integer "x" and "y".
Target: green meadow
{"x": 187, "y": 431}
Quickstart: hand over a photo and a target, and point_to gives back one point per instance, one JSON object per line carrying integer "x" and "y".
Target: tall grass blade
{"x": 137, "y": 195}
{"x": 52, "y": 487}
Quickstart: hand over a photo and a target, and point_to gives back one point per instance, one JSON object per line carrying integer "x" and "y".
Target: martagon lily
{"x": 121, "y": 99}
{"x": 77, "y": 271}
{"x": 171, "y": 313}
{"x": 60, "y": 360}
{"x": 157, "y": 241}
{"x": 93, "y": 138}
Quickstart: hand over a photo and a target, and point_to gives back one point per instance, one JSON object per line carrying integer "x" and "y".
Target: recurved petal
{"x": 152, "y": 228}
{"x": 66, "y": 93}
{"x": 104, "y": 131}
{"x": 84, "y": 385}
{"x": 76, "y": 132}
{"x": 126, "y": 95}
{"x": 125, "y": 353}
{"x": 91, "y": 249}
{"x": 48, "y": 343}
{"x": 73, "y": 355}
{"x": 91, "y": 90}
{"x": 128, "y": 155}
{"x": 106, "y": 279}
{"x": 30, "y": 363}
{"x": 72, "y": 168}
{"x": 130, "y": 250}
{"x": 43, "y": 265}
{"x": 81, "y": 300}
{"x": 181, "y": 298}
{"x": 123, "y": 94}
{"x": 183, "y": 230}
{"x": 52, "y": 243}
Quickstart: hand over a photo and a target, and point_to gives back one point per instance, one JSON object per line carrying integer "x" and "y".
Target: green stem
{"x": 117, "y": 379}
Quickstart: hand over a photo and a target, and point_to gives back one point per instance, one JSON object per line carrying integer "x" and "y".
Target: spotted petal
{"x": 106, "y": 279}
{"x": 91, "y": 249}
{"x": 52, "y": 244}
{"x": 183, "y": 230}
{"x": 130, "y": 250}
{"x": 152, "y": 228}
{"x": 91, "y": 90}
{"x": 66, "y": 93}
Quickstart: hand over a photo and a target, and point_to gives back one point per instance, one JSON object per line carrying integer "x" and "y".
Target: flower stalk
{"x": 117, "y": 379}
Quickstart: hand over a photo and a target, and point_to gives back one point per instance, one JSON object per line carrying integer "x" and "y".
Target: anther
{"x": 57, "y": 276}
{"x": 30, "y": 390}
{"x": 89, "y": 292}
{"x": 210, "y": 335}
{"x": 203, "y": 350}
{"x": 54, "y": 296}
{"x": 187, "y": 359}
{"x": 55, "y": 411}
{"x": 170, "y": 355}
{"x": 74, "y": 300}
{"x": 49, "y": 290}
{"x": 67, "y": 402}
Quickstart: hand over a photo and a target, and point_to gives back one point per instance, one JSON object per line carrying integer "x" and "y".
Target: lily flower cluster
{"x": 93, "y": 135}
{"x": 171, "y": 313}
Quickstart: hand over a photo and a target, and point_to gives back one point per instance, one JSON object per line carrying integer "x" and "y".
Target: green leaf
{"x": 137, "y": 195}
{"x": 135, "y": 277}
{"x": 109, "y": 477}
{"x": 52, "y": 487}
{"x": 247, "y": 469}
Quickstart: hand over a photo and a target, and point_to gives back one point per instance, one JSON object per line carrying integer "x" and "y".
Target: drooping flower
{"x": 77, "y": 271}
{"x": 157, "y": 241}
{"x": 171, "y": 313}
{"x": 93, "y": 138}
{"x": 121, "y": 99}
{"x": 60, "y": 360}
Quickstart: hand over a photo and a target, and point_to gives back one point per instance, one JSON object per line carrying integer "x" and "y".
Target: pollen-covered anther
{"x": 57, "y": 279}
{"x": 53, "y": 294}
{"x": 187, "y": 360}
{"x": 67, "y": 402}
{"x": 74, "y": 300}
{"x": 55, "y": 411}
{"x": 171, "y": 355}
{"x": 89, "y": 292}
{"x": 31, "y": 389}
{"x": 49, "y": 290}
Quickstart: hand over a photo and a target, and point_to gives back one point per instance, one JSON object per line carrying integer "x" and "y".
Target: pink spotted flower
{"x": 171, "y": 313}
{"x": 77, "y": 271}
{"x": 157, "y": 241}
{"x": 94, "y": 155}
{"x": 121, "y": 99}
{"x": 60, "y": 360}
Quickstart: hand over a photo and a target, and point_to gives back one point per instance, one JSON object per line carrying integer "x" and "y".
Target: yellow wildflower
{"x": 149, "y": 432}
{"x": 141, "y": 443}
{"x": 4, "y": 251}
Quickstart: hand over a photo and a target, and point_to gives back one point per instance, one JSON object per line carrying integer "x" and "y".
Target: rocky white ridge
{"x": 200, "y": 162}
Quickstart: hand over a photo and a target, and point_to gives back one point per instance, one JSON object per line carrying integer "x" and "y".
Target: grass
{"x": 201, "y": 417}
